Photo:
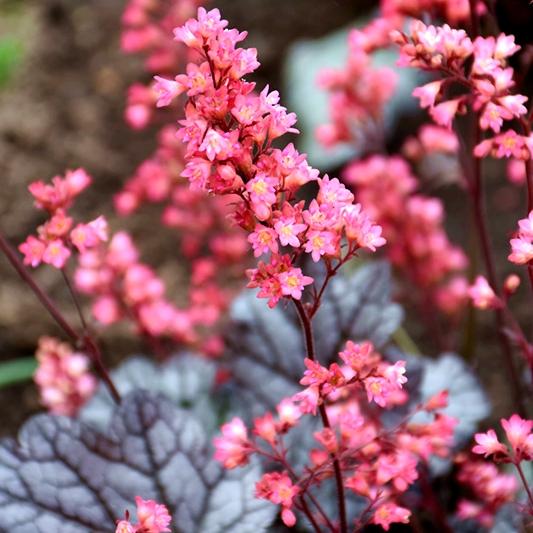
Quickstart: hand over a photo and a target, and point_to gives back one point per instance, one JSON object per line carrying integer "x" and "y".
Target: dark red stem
{"x": 310, "y": 349}
{"x": 477, "y": 196}
{"x": 84, "y": 340}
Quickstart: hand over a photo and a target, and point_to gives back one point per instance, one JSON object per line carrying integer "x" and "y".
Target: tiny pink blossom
{"x": 521, "y": 251}
{"x": 321, "y": 243}
{"x": 288, "y": 412}
{"x": 263, "y": 239}
{"x": 166, "y": 90}
{"x": 218, "y": 145}
{"x": 526, "y": 226}
{"x": 488, "y": 444}
{"x": 56, "y": 254}
{"x": 390, "y": 513}
{"x": 518, "y": 432}
{"x": 33, "y": 250}
{"x": 444, "y": 113}
{"x": 293, "y": 282}
{"x": 279, "y": 489}
{"x": 428, "y": 93}
{"x": 232, "y": 447}
{"x": 86, "y": 236}
{"x": 153, "y": 517}
{"x": 288, "y": 231}
{"x": 482, "y": 295}
{"x": 125, "y": 526}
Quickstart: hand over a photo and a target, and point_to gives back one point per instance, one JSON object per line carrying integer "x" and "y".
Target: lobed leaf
{"x": 185, "y": 379}
{"x": 63, "y": 476}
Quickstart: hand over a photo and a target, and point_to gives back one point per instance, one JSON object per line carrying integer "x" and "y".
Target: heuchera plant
{"x": 307, "y": 412}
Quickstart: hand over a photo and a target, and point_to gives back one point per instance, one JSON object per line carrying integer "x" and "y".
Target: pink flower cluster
{"x": 522, "y": 243}
{"x": 377, "y": 463}
{"x": 63, "y": 377}
{"x": 58, "y": 236}
{"x": 207, "y": 237}
{"x": 229, "y": 130}
{"x": 413, "y": 225}
{"x": 124, "y": 287}
{"x": 519, "y": 435}
{"x": 488, "y": 490}
{"x": 152, "y": 517}
{"x": 358, "y": 91}
{"x": 454, "y": 11}
{"x": 201, "y": 221}
{"x": 279, "y": 489}
{"x": 147, "y": 29}
{"x": 481, "y": 67}
{"x": 381, "y": 381}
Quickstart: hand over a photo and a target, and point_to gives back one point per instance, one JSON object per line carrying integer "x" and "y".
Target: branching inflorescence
{"x": 231, "y": 189}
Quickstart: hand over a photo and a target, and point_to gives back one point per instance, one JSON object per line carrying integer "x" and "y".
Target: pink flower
{"x": 106, "y": 310}
{"x": 63, "y": 377}
{"x": 263, "y": 240}
{"x": 57, "y": 227}
{"x": 153, "y": 517}
{"x": 493, "y": 116}
{"x": 526, "y": 226}
{"x": 507, "y": 144}
{"x": 390, "y": 513}
{"x": 33, "y": 250}
{"x": 521, "y": 251}
{"x": 518, "y": 432}
{"x": 86, "y": 236}
{"x": 321, "y": 243}
{"x": 360, "y": 229}
{"x": 197, "y": 31}
{"x": 197, "y": 171}
{"x": 232, "y": 448}
{"x": 333, "y": 192}
{"x": 56, "y": 254}
{"x": 288, "y": 412}
{"x": 488, "y": 444}
{"x": 125, "y": 526}
{"x": 279, "y": 489}
{"x": 293, "y": 282}
{"x": 262, "y": 191}
{"x": 395, "y": 373}
{"x": 358, "y": 356}
{"x": 444, "y": 113}
{"x": 265, "y": 428}
{"x": 218, "y": 145}
{"x": 377, "y": 389}
{"x": 505, "y": 46}
{"x": 437, "y": 401}
{"x": 77, "y": 181}
{"x": 514, "y": 104}
{"x": 428, "y": 93}
{"x": 288, "y": 231}
{"x": 482, "y": 295}
{"x": 315, "y": 375}
{"x": 166, "y": 90}
{"x": 522, "y": 245}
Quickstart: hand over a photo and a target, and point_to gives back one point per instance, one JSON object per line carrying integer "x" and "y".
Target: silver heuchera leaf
{"x": 62, "y": 476}
{"x": 266, "y": 347}
{"x": 186, "y": 380}
{"x": 467, "y": 401}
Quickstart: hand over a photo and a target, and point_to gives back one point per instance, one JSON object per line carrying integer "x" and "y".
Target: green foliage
{"x": 17, "y": 371}
{"x": 10, "y": 56}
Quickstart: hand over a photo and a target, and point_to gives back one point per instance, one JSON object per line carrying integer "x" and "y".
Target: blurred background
{"x": 63, "y": 82}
